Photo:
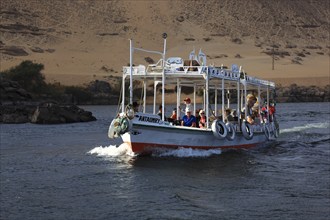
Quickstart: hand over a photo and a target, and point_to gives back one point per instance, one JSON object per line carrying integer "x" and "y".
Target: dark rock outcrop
{"x": 50, "y": 113}
{"x": 295, "y": 93}
{"x": 14, "y": 51}
{"x": 18, "y": 106}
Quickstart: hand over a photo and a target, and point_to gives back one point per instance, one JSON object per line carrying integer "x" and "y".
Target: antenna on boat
{"x": 164, "y": 51}
{"x": 131, "y": 50}
{"x": 163, "y": 78}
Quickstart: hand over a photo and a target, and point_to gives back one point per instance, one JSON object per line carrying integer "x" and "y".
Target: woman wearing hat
{"x": 202, "y": 120}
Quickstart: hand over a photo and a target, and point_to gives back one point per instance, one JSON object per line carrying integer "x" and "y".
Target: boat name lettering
{"x": 148, "y": 119}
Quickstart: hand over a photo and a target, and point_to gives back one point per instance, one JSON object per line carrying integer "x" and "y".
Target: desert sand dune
{"x": 80, "y": 41}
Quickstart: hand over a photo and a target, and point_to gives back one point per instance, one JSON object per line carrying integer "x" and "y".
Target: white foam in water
{"x": 305, "y": 127}
{"x": 188, "y": 152}
{"x": 112, "y": 150}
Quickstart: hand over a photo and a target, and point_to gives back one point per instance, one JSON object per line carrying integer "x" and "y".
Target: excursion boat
{"x": 145, "y": 132}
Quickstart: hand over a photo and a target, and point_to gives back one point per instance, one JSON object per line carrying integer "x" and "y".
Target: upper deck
{"x": 194, "y": 73}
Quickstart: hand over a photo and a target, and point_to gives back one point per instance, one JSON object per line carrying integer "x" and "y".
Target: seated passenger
{"x": 202, "y": 120}
{"x": 174, "y": 115}
{"x": 135, "y": 106}
{"x": 228, "y": 116}
{"x": 160, "y": 112}
{"x": 235, "y": 116}
{"x": 188, "y": 119}
{"x": 198, "y": 117}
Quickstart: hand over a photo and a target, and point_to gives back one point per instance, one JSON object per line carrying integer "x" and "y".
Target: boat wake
{"x": 124, "y": 150}
{"x": 112, "y": 151}
{"x": 186, "y": 152}
{"x": 324, "y": 125}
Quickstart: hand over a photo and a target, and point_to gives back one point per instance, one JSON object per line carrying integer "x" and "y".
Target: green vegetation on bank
{"x": 28, "y": 75}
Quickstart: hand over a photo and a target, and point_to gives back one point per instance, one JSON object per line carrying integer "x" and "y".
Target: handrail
{"x": 213, "y": 72}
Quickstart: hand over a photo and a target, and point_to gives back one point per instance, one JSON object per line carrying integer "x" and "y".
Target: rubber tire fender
{"x": 231, "y": 132}
{"x": 219, "y": 129}
{"x": 247, "y": 130}
{"x": 267, "y": 131}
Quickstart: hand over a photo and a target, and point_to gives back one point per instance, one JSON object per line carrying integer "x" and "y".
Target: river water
{"x": 73, "y": 171}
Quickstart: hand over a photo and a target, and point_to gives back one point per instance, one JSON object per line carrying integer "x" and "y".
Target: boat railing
{"x": 214, "y": 72}
{"x": 221, "y": 73}
{"x": 186, "y": 70}
{"x": 256, "y": 81}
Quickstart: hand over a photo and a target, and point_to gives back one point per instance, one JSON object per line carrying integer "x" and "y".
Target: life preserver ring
{"x": 119, "y": 126}
{"x": 111, "y": 131}
{"x": 125, "y": 125}
{"x": 231, "y": 131}
{"x": 129, "y": 111}
{"x": 267, "y": 131}
{"x": 219, "y": 129}
{"x": 247, "y": 130}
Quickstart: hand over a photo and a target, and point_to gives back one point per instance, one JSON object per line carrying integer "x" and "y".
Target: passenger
{"x": 174, "y": 115}
{"x": 135, "y": 106}
{"x": 250, "y": 100}
{"x": 187, "y": 102}
{"x": 197, "y": 115}
{"x": 234, "y": 114}
{"x": 228, "y": 116}
{"x": 202, "y": 120}
{"x": 160, "y": 112}
{"x": 271, "y": 111}
{"x": 188, "y": 119}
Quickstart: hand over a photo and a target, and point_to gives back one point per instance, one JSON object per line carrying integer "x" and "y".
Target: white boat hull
{"x": 144, "y": 138}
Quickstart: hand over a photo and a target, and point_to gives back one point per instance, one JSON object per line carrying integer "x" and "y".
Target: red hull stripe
{"x": 145, "y": 147}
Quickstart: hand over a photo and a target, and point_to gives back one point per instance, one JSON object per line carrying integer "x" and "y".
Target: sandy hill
{"x": 79, "y": 41}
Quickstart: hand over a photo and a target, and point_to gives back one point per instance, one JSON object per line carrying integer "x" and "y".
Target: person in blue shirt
{"x": 188, "y": 119}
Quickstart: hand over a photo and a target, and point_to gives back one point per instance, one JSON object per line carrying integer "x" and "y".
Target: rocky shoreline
{"x": 18, "y": 106}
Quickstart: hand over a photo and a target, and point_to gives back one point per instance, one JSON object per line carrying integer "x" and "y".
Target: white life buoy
{"x": 247, "y": 130}
{"x": 219, "y": 129}
{"x": 111, "y": 131}
{"x": 129, "y": 111}
{"x": 231, "y": 131}
{"x": 124, "y": 125}
{"x": 118, "y": 126}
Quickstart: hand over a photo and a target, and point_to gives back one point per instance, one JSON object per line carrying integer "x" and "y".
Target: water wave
{"x": 305, "y": 127}
{"x": 112, "y": 151}
{"x": 186, "y": 152}
{"x": 124, "y": 150}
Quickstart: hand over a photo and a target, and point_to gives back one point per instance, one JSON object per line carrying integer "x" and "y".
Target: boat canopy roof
{"x": 190, "y": 72}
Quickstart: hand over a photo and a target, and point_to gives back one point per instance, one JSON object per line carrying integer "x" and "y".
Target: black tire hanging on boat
{"x": 277, "y": 129}
{"x": 231, "y": 131}
{"x": 247, "y": 130}
{"x": 267, "y": 131}
{"x": 219, "y": 129}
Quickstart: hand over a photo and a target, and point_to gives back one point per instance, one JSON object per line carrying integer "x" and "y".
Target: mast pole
{"x": 131, "y": 50}
{"x": 223, "y": 99}
{"x": 163, "y": 78}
